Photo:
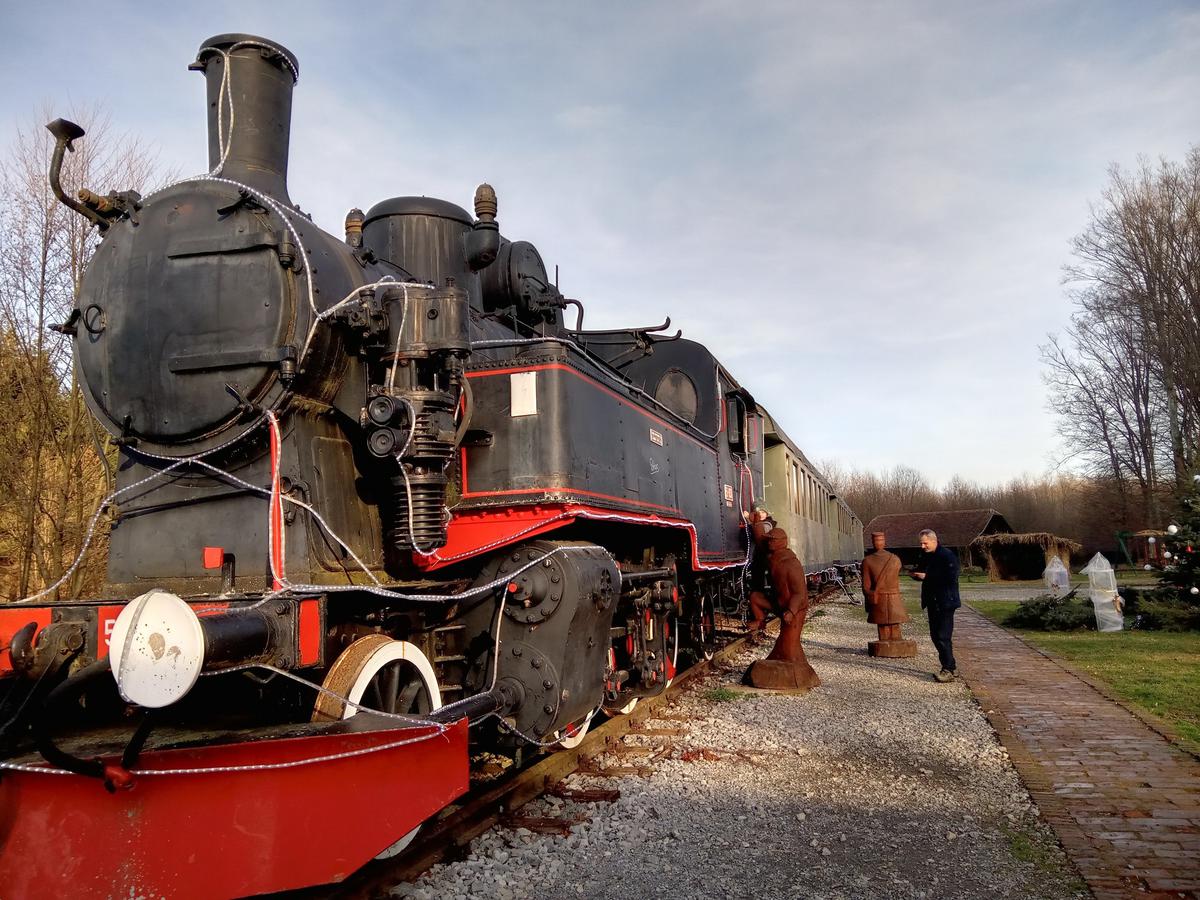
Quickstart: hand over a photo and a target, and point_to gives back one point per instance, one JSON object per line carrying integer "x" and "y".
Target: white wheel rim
{"x": 396, "y": 651}
{"x": 571, "y": 741}
{"x": 706, "y": 601}
{"x": 674, "y": 638}
{"x": 623, "y": 710}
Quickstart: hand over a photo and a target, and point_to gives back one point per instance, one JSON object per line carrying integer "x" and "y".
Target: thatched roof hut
{"x": 1022, "y": 557}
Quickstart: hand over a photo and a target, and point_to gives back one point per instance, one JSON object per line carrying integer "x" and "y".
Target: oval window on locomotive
{"x": 677, "y": 392}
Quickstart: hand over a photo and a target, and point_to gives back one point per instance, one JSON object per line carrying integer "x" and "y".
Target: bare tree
{"x": 1139, "y": 262}
{"x": 1086, "y": 508}
{"x": 959, "y": 493}
{"x": 1106, "y": 394}
{"x": 61, "y": 472}
{"x": 910, "y": 490}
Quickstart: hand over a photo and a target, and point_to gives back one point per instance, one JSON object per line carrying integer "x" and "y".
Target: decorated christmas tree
{"x": 1180, "y": 576}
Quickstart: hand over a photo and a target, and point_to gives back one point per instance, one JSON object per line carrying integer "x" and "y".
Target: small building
{"x": 956, "y": 528}
{"x": 1146, "y": 548}
{"x": 1022, "y": 557}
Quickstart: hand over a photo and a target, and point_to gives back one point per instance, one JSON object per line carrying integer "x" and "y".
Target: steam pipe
{"x": 68, "y": 692}
{"x": 65, "y": 133}
{"x": 579, "y": 318}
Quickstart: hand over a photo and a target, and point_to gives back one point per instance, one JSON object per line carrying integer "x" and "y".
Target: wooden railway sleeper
{"x": 585, "y": 795}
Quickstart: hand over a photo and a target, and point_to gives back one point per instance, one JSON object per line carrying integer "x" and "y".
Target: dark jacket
{"x": 939, "y": 589}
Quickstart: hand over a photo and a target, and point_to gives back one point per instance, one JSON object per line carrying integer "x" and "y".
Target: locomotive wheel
{"x": 671, "y": 629}
{"x": 572, "y": 736}
{"x": 622, "y": 710}
{"x": 380, "y": 673}
{"x": 384, "y": 674}
{"x": 704, "y": 627}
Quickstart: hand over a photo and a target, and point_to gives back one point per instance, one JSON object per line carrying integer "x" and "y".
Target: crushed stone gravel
{"x": 881, "y": 782}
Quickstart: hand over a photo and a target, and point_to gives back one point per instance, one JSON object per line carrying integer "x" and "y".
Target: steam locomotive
{"x": 372, "y": 489}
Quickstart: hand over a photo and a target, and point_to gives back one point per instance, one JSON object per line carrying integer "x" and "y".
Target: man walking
{"x": 937, "y": 570}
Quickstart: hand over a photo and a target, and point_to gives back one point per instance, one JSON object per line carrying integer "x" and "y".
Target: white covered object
{"x": 1057, "y": 578}
{"x": 1108, "y": 612}
{"x": 1100, "y": 574}
{"x": 1102, "y": 586}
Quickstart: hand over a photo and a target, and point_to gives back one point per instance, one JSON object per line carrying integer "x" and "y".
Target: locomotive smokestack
{"x": 250, "y": 81}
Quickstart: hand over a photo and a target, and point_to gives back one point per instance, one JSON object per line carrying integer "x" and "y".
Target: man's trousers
{"x": 941, "y": 632}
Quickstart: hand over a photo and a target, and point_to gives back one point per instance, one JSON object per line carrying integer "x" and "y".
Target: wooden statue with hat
{"x": 885, "y": 605}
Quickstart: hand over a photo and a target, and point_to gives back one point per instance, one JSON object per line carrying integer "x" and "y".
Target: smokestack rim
{"x": 225, "y": 41}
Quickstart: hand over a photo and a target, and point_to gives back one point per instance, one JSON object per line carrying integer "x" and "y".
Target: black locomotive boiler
{"x": 379, "y": 472}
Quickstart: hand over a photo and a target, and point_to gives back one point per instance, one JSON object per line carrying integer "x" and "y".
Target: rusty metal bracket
{"x": 56, "y": 645}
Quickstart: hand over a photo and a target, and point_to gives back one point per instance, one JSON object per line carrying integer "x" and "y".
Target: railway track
{"x": 447, "y": 837}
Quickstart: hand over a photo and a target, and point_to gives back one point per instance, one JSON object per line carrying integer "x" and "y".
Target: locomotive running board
{"x": 323, "y": 807}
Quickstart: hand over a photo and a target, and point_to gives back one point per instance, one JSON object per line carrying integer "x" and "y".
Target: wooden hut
{"x": 955, "y": 528}
{"x": 1146, "y": 547}
{"x": 1022, "y": 557}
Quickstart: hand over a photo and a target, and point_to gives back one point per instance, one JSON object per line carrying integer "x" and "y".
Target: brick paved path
{"x": 1124, "y": 802}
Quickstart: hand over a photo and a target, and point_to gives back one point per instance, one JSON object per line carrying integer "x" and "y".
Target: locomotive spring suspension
{"x": 424, "y": 528}
{"x": 415, "y": 518}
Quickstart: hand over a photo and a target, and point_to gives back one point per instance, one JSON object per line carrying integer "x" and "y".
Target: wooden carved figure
{"x": 885, "y": 606}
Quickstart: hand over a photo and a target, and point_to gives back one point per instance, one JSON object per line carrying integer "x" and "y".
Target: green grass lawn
{"x": 1158, "y": 671}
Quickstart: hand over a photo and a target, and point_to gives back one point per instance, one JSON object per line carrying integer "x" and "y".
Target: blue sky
{"x": 863, "y": 207}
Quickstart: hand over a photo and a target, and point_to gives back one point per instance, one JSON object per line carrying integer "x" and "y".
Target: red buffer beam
{"x": 232, "y": 819}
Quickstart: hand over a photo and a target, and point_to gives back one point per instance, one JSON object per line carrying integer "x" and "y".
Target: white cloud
{"x": 840, "y": 198}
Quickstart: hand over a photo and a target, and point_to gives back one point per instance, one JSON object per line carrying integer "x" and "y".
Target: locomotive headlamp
{"x": 159, "y": 645}
{"x": 157, "y": 649}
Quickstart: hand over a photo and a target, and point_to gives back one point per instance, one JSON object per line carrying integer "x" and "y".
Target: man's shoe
{"x": 944, "y": 676}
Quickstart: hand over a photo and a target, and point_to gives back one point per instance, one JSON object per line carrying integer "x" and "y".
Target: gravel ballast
{"x": 880, "y": 783}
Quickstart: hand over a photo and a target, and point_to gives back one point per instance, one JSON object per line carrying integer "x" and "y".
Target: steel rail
{"x": 449, "y": 836}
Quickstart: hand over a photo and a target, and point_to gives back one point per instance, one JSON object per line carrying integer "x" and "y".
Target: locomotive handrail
{"x": 649, "y": 329}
